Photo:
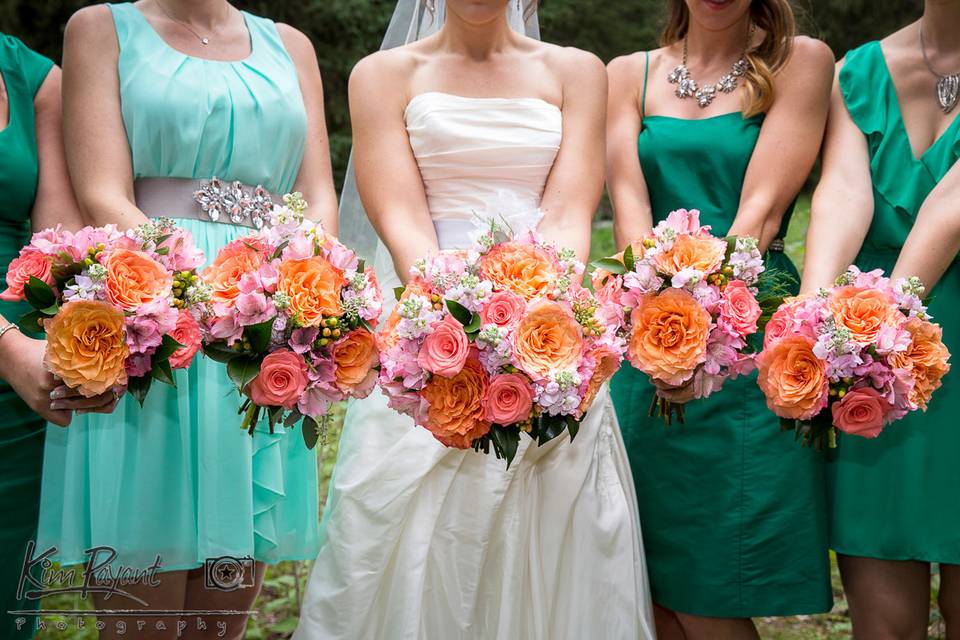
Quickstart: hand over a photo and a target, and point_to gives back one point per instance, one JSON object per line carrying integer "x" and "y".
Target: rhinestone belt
{"x": 212, "y": 200}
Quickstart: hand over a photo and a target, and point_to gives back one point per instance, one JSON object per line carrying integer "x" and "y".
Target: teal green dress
{"x": 21, "y": 430}
{"x": 895, "y": 498}
{"x": 179, "y": 478}
{"x": 733, "y": 509}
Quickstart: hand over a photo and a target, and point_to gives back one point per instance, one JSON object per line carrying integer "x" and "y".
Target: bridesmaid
{"x": 890, "y": 166}
{"x": 734, "y": 510}
{"x": 159, "y": 97}
{"x": 37, "y": 195}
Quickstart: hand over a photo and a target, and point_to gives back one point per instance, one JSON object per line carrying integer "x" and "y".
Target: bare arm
{"x": 97, "y": 150}
{"x": 633, "y": 215}
{"x": 842, "y": 207}
{"x": 575, "y": 184}
{"x": 388, "y": 178}
{"x": 315, "y": 180}
{"x": 789, "y": 141}
{"x": 934, "y": 240}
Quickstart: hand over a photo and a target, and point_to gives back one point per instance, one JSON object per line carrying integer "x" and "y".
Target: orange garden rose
{"x": 355, "y": 356}
{"x": 864, "y": 312}
{"x": 793, "y": 379}
{"x": 241, "y": 256}
{"x": 927, "y": 358}
{"x": 608, "y": 363}
{"x": 87, "y": 347}
{"x": 703, "y": 253}
{"x": 669, "y": 339}
{"x": 313, "y": 285}
{"x": 525, "y": 269}
{"x": 456, "y": 413}
{"x": 134, "y": 279}
{"x": 547, "y": 338}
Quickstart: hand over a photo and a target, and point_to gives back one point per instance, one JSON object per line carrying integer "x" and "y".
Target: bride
{"x": 422, "y": 541}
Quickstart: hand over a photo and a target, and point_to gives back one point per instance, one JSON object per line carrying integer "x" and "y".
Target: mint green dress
{"x": 895, "y": 498}
{"x": 179, "y": 478}
{"x": 733, "y": 510}
{"x": 21, "y": 430}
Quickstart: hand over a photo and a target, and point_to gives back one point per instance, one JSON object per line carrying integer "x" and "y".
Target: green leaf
{"x": 731, "y": 247}
{"x": 474, "y": 326}
{"x": 398, "y": 292}
{"x": 361, "y": 265}
{"x": 549, "y": 427}
{"x": 311, "y": 432}
{"x": 463, "y": 315}
{"x": 138, "y": 387}
{"x": 30, "y": 322}
{"x": 279, "y": 249}
{"x": 292, "y": 418}
{"x": 366, "y": 325}
{"x": 167, "y": 348}
{"x": 161, "y": 371}
{"x": 243, "y": 369}
{"x": 259, "y": 335}
{"x": 612, "y": 265}
{"x": 39, "y": 294}
{"x": 219, "y": 352}
{"x": 505, "y": 442}
{"x": 51, "y": 311}
{"x": 573, "y": 426}
{"x": 628, "y": 259}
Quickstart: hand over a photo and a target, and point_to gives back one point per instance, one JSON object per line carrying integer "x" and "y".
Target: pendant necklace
{"x": 948, "y": 86}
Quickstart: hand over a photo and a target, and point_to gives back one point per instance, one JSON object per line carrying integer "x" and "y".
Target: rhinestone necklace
{"x": 687, "y": 87}
{"x": 948, "y": 86}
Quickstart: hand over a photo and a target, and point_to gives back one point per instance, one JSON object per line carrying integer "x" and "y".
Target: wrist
{"x": 9, "y": 343}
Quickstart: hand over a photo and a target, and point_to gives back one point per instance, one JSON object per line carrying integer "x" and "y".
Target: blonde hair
{"x": 775, "y": 19}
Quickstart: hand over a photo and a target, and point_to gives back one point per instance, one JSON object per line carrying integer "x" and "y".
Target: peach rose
{"x": 793, "y": 379}
{"x": 669, "y": 337}
{"x": 862, "y": 412}
{"x": 508, "y": 400}
{"x": 608, "y": 363}
{"x": 313, "y": 285}
{"x": 455, "y": 415}
{"x": 187, "y": 333}
{"x": 739, "y": 309}
{"x": 863, "y": 312}
{"x": 703, "y": 253}
{"x": 134, "y": 279}
{"x": 30, "y": 263}
{"x": 526, "y": 269}
{"x": 356, "y": 358}
{"x": 445, "y": 348}
{"x": 242, "y": 256}
{"x": 547, "y": 338}
{"x": 504, "y": 309}
{"x": 281, "y": 381}
{"x": 927, "y": 359}
{"x": 87, "y": 346}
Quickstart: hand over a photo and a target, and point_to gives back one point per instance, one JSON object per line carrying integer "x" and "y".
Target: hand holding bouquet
{"x": 501, "y": 339}
{"x": 292, "y": 313}
{"x": 117, "y": 307}
{"x": 852, "y": 358}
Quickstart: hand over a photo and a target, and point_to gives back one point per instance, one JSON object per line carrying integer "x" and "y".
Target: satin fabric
{"x": 421, "y": 541}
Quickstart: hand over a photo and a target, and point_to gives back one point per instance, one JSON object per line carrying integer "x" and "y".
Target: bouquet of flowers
{"x": 292, "y": 313}
{"x": 852, "y": 358}
{"x": 118, "y": 308}
{"x": 689, "y": 302}
{"x": 496, "y": 341}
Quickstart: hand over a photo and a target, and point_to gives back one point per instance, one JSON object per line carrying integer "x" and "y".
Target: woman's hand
{"x": 677, "y": 394}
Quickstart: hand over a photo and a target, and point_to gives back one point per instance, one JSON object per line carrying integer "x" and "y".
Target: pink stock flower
{"x": 684, "y": 221}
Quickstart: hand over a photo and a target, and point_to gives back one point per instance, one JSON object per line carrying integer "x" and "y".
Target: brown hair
{"x": 776, "y": 20}
{"x": 529, "y": 11}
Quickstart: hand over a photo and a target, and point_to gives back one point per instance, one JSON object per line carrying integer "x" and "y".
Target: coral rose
{"x": 445, "y": 348}
{"x": 313, "y": 285}
{"x": 739, "y": 309}
{"x": 508, "y": 400}
{"x": 504, "y": 309}
{"x": 356, "y": 358}
{"x": 548, "y": 338}
{"x": 87, "y": 346}
{"x": 526, "y": 269}
{"x": 793, "y": 379}
{"x": 281, "y": 381}
{"x": 703, "y": 253}
{"x": 608, "y": 363}
{"x": 927, "y": 359}
{"x": 134, "y": 279}
{"x": 862, "y": 412}
{"x": 455, "y": 415}
{"x": 864, "y": 312}
{"x": 30, "y": 263}
{"x": 779, "y": 326}
{"x": 669, "y": 337}
{"x": 187, "y": 333}
{"x": 242, "y": 256}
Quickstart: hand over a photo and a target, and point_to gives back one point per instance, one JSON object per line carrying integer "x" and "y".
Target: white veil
{"x": 411, "y": 21}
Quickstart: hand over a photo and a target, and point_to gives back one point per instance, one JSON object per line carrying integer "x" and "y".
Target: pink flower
{"x": 187, "y": 333}
{"x": 508, "y": 400}
{"x": 182, "y": 254}
{"x": 684, "y": 221}
{"x": 281, "y": 381}
{"x": 254, "y": 308}
{"x": 341, "y": 257}
{"x": 445, "y": 348}
{"x": 137, "y": 365}
{"x": 226, "y": 328}
{"x": 298, "y": 248}
{"x": 862, "y": 412}
{"x": 739, "y": 309}
{"x": 145, "y": 330}
{"x": 503, "y": 309}
{"x": 30, "y": 262}
{"x": 779, "y": 326}
{"x": 301, "y": 340}
{"x": 313, "y": 403}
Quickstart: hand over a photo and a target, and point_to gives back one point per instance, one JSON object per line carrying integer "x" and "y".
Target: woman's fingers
{"x": 59, "y": 418}
{"x": 78, "y": 402}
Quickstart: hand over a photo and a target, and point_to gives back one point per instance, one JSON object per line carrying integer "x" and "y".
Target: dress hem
{"x": 188, "y": 567}
{"x": 899, "y": 557}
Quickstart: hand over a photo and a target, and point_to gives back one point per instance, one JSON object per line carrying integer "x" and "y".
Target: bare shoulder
{"x": 384, "y": 73}
{"x": 297, "y": 44}
{"x": 572, "y": 63}
{"x": 632, "y": 65}
{"x": 48, "y": 96}
{"x": 811, "y": 61}
{"x": 810, "y": 51}
{"x": 91, "y": 26}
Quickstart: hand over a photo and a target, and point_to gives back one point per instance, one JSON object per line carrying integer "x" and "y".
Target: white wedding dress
{"x": 424, "y": 542}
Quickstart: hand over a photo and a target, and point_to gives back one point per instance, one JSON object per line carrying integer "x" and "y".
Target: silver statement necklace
{"x": 687, "y": 87}
{"x": 948, "y": 86}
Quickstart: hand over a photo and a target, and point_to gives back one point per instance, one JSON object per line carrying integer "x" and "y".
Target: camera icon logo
{"x": 227, "y": 573}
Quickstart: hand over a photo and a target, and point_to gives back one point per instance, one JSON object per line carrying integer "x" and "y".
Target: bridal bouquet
{"x": 500, "y": 340}
{"x": 292, "y": 313}
{"x": 853, "y": 358}
{"x": 689, "y": 303}
{"x": 118, "y": 308}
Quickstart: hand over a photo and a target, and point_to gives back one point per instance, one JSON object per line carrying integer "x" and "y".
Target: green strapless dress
{"x": 895, "y": 497}
{"x": 733, "y": 509}
{"x": 21, "y": 430}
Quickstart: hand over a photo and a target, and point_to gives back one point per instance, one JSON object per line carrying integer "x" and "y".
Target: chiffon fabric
{"x": 421, "y": 541}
